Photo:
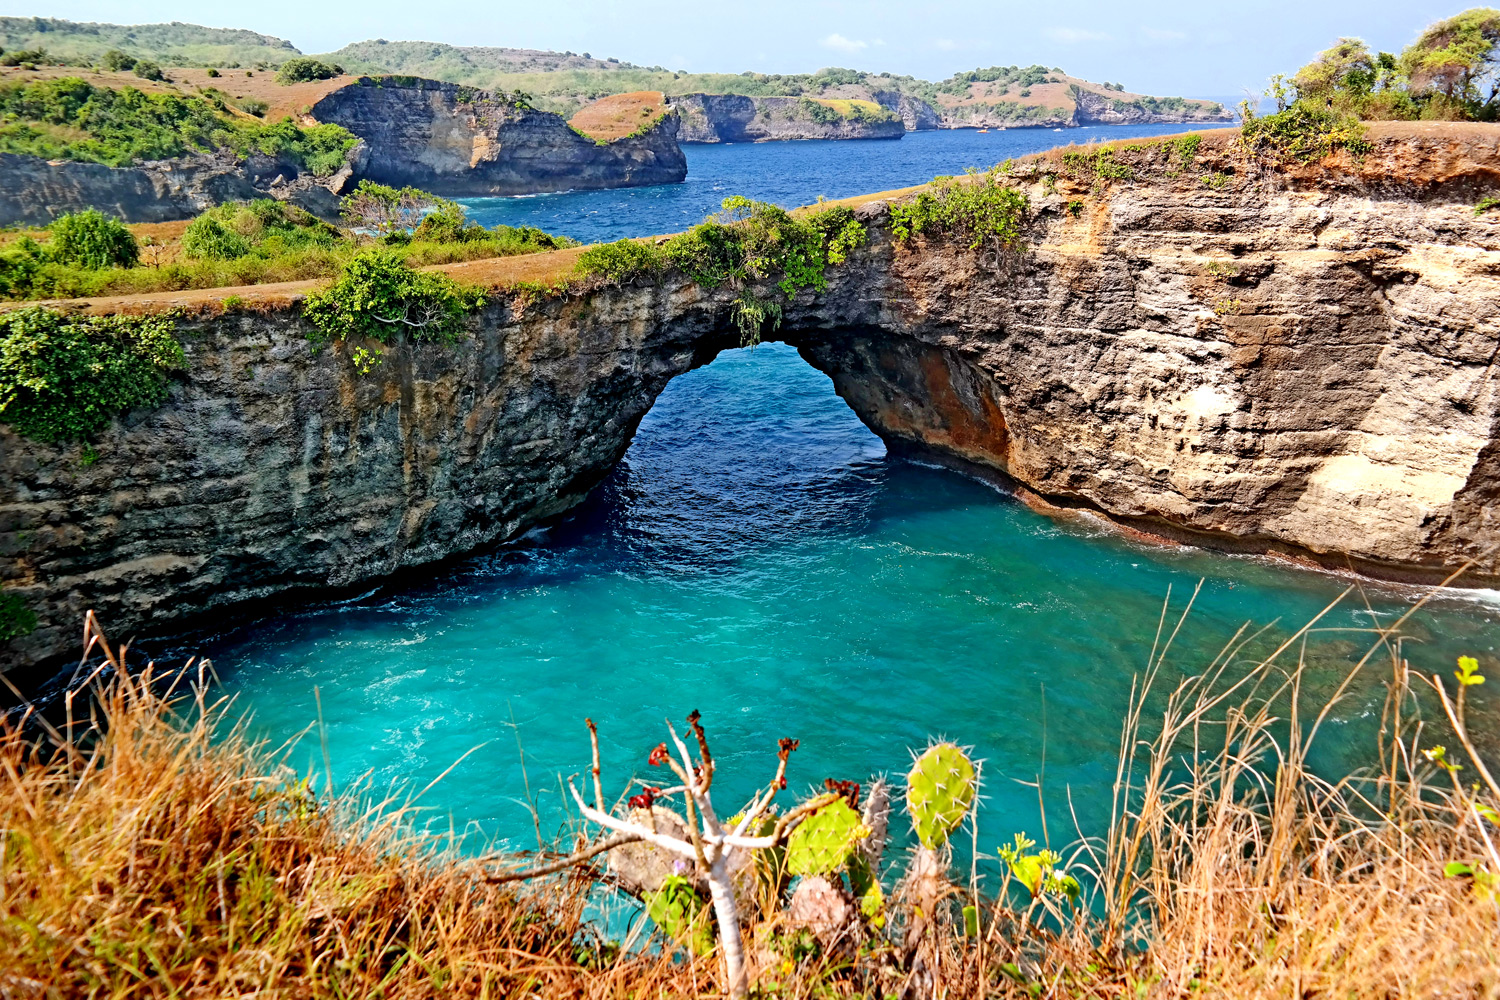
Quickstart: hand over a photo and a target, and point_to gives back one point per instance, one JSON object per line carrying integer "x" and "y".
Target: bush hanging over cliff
{"x": 71, "y": 119}
{"x": 265, "y": 227}
{"x": 748, "y": 241}
{"x": 377, "y": 295}
{"x": 64, "y": 378}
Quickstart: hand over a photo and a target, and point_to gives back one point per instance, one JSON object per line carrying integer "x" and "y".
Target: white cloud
{"x": 1072, "y": 36}
{"x": 949, "y": 45}
{"x": 840, "y": 43}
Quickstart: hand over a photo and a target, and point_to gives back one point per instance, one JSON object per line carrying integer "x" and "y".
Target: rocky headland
{"x": 1207, "y": 347}
{"x": 735, "y": 118}
{"x": 458, "y": 141}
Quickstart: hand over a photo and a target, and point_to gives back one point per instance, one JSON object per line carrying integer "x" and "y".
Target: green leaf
{"x": 682, "y": 914}
{"x": 971, "y": 921}
{"x": 1458, "y": 869}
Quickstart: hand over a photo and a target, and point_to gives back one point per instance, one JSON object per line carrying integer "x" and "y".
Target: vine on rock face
{"x": 64, "y": 378}
{"x": 1303, "y": 131}
{"x": 378, "y": 296}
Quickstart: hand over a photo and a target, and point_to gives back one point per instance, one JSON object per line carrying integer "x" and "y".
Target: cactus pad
{"x": 940, "y": 791}
{"x": 822, "y": 843}
{"x": 680, "y": 912}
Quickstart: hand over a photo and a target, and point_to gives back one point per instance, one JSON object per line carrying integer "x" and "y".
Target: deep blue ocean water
{"x": 758, "y": 557}
{"x": 785, "y": 173}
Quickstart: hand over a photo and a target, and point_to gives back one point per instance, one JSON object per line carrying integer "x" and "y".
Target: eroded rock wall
{"x": 736, "y": 118}
{"x": 1298, "y": 361}
{"x": 34, "y": 191}
{"x": 457, "y": 141}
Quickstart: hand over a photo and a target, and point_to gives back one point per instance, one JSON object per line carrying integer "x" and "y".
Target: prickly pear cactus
{"x": 824, "y": 841}
{"x": 940, "y": 791}
{"x": 680, "y": 912}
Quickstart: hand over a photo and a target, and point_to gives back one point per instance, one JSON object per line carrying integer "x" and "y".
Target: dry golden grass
{"x": 154, "y": 850}
{"x": 619, "y": 115}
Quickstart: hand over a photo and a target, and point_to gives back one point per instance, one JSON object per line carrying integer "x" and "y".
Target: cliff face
{"x": 458, "y": 141}
{"x": 34, "y": 191}
{"x": 734, "y": 118}
{"x": 916, "y": 114}
{"x": 1296, "y": 361}
{"x": 1096, "y": 109}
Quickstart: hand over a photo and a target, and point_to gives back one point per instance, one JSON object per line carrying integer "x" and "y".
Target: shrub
{"x": 748, "y": 240}
{"x": 305, "y": 69}
{"x": 207, "y": 237}
{"x": 979, "y": 209}
{"x": 378, "y": 295}
{"x": 147, "y": 70}
{"x": 253, "y": 106}
{"x": 385, "y": 210}
{"x": 23, "y": 57}
{"x": 16, "y": 619}
{"x": 213, "y": 73}
{"x": 623, "y": 260}
{"x": 116, "y": 61}
{"x": 265, "y": 226}
{"x": 1304, "y": 131}
{"x": 93, "y": 241}
{"x": 63, "y": 378}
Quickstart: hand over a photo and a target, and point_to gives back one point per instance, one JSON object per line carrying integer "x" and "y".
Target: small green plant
{"x": 1099, "y": 164}
{"x": 1185, "y": 148}
{"x": 1075, "y": 208}
{"x": 231, "y": 303}
{"x": 1486, "y": 203}
{"x": 1228, "y": 307}
{"x": 93, "y": 241}
{"x": 378, "y": 295}
{"x": 682, "y": 914}
{"x": 365, "y": 361}
{"x": 1040, "y": 872}
{"x": 1216, "y": 180}
{"x": 63, "y": 378}
{"x": 1222, "y": 270}
{"x": 16, "y": 619}
{"x": 147, "y": 70}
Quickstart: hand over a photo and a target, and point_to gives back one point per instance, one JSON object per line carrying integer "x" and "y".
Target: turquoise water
{"x": 758, "y": 557}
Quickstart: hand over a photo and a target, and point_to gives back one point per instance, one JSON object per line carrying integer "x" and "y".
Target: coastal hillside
{"x": 564, "y": 82}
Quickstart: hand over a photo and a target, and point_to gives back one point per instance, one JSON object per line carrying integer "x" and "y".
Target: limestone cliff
{"x": 457, "y": 141}
{"x": 33, "y": 191}
{"x": 1295, "y": 360}
{"x": 735, "y": 118}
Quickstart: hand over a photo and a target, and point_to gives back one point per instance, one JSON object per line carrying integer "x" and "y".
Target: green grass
{"x": 169, "y": 44}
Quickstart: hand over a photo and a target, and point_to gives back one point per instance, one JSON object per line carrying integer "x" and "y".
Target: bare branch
{"x": 578, "y": 857}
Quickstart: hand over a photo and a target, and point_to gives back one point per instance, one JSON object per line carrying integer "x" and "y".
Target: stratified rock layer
{"x": 736, "y": 118}
{"x": 457, "y": 141}
{"x": 1292, "y": 360}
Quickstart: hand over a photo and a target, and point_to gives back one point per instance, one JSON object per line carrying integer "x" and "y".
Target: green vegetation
{"x": 747, "y": 241}
{"x": 378, "y": 295}
{"x": 303, "y": 70}
{"x": 242, "y": 243}
{"x": 63, "y": 378}
{"x": 1304, "y": 131}
{"x": 979, "y": 209}
{"x": 70, "y": 119}
{"x": 92, "y": 241}
{"x": 16, "y": 619}
{"x": 1448, "y": 73}
{"x": 169, "y": 44}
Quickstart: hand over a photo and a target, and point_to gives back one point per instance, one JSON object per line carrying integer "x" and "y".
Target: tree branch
{"x": 578, "y": 857}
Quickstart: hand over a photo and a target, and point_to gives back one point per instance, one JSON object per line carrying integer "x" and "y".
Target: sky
{"x": 1162, "y": 47}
